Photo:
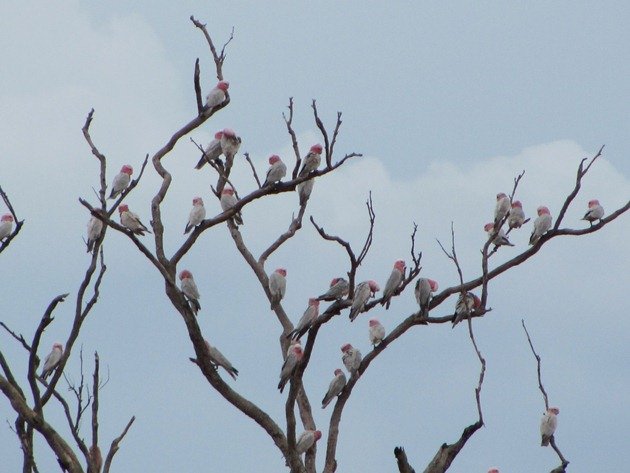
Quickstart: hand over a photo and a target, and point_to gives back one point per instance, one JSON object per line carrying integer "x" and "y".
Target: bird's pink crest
{"x": 229, "y": 132}
{"x": 313, "y": 302}
{"x": 488, "y": 227}
{"x": 185, "y": 274}
{"x": 334, "y": 281}
{"x": 542, "y": 210}
{"x": 593, "y": 203}
{"x": 345, "y": 348}
{"x": 517, "y": 203}
{"x": 57, "y": 346}
{"x": 297, "y": 350}
{"x": 317, "y": 149}
{"x": 123, "y": 208}
{"x": 7, "y": 218}
{"x": 553, "y": 410}
{"x": 227, "y": 191}
{"x": 223, "y": 85}
{"x": 476, "y": 301}
{"x": 338, "y": 372}
{"x": 281, "y": 272}
{"x": 374, "y": 287}
{"x": 400, "y": 265}
{"x": 374, "y": 322}
{"x": 501, "y": 195}
{"x": 433, "y": 284}
{"x": 493, "y": 470}
{"x": 274, "y": 158}
{"x": 218, "y": 135}
{"x": 318, "y": 435}
{"x": 127, "y": 169}
{"x": 197, "y": 201}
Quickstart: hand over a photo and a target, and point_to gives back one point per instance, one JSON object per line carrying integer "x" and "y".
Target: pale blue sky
{"x": 447, "y": 102}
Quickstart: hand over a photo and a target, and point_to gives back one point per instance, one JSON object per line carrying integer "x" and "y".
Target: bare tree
{"x": 29, "y": 402}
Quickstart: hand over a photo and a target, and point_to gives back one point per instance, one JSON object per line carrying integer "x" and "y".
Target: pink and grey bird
{"x": 502, "y": 207}
{"x": 423, "y": 290}
{"x": 392, "y": 284}
{"x": 220, "y": 360}
{"x": 339, "y": 288}
{"x": 466, "y": 304}
{"x": 307, "y": 319}
{"x": 289, "y": 366}
{"x": 121, "y": 181}
{"x": 277, "y": 286}
{"x": 311, "y": 160}
{"x": 197, "y": 214}
{"x": 377, "y": 332}
{"x": 304, "y": 190}
{"x": 351, "y": 358}
{"x": 189, "y": 288}
{"x": 94, "y": 229}
{"x": 517, "y": 216}
{"x": 335, "y": 387}
{"x": 362, "y": 292}
{"x": 306, "y": 440}
{"x": 52, "y": 360}
{"x": 6, "y": 226}
{"x": 230, "y": 143}
{"x": 548, "y": 425}
{"x": 277, "y": 170}
{"x": 217, "y": 95}
{"x": 212, "y": 151}
{"x": 228, "y": 200}
{"x": 131, "y": 220}
{"x": 292, "y": 344}
{"x": 595, "y": 211}
{"x": 498, "y": 239}
{"x": 541, "y": 224}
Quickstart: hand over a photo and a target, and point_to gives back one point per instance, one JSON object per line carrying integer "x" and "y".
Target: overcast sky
{"x": 447, "y": 103}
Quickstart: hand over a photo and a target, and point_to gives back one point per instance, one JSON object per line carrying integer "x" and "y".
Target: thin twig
{"x": 253, "y": 169}
{"x": 116, "y": 445}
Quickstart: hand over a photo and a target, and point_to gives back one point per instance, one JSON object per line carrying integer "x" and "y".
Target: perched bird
{"x": 6, "y": 226}
{"x": 197, "y": 214}
{"x": 306, "y": 440}
{"x": 212, "y": 151}
{"x": 499, "y": 239}
{"x": 335, "y": 387}
{"x": 304, "y": 190}
{"x": 217, "y": 95}
{"x": 189, "y": 288}
{"x": 277, "y": 170}
{"x": 464, "y": 306}
{"x": 277, "y": 286}
{"x": 351, "y": 358}
{"x": 377, "y": 332}
{"x": 290, "y": 364}
{"x": 595, "y": 211}
{"x": 307, "y": 319}
{"x": 502, "y": 208}
{"x": 548, "y": 425}
{"x": 395, "y": 278}
{"x": 311, "y": 160}
{"x": 339, "y": 288}
{"x": 230, "y": 143}
{"x": 362, "y": 293}
{"x": 52, "y": 360}
{"x": 121, "y": 181}
{"x": 220, "y": 360}
{"x": 541, "y": 224}
{"x": 228, "y": 200}
{"x": 423, "y": 290}
{"x": 94, "y": 229}
{"x": 131, "y": 220}
{"x": 517, "y": 216}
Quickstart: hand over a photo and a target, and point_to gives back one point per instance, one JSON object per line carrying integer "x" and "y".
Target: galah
{"x": 464, "y": 306}
{"x": 351, "y": 358}
{"x": 339, "y": 288}
{"x": 541, "y": 224}
{"x": 228, "y": 200}
{"x": 423, "y": 290}
{"x": 131, "y": 220}
{"x": 290, "y": 364}
{"x": 277, "y": 286}
{"x": 335, "y": 387}
{"x": 197, "y": 214}
{"x": 189, "y": 288}
{"x": 94, "y": 229}
{"x": 377, "y": 332}
{"x": 311, "y": 160}
{"x": 306, "y": 440}
{"x": 277, "y": 170}
{"x": 217, "y": 95}
{"x": 395, "y": 278}
{"x": 230, "y": 143}
{"x": 307, "y": 319}
{"x": 517, "y": 216}
{"x": 304, "y": 190}
{"x": 595, "y": 211}
{"x": 6, "y": 226}
{"x": 52, "y": 360}
{"x": 220, "y": 360}
{"x": 502, "y": 207}
{"x": 499, "y": 239}
{"x": 548, "y": 425}
{"x": 362, "y": 293}
{"x": 121, "y": 181}
{"x": 212, "y": 151}
{"x": 292, "y": 344}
